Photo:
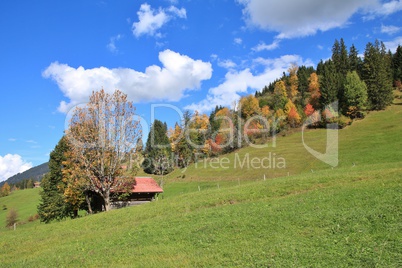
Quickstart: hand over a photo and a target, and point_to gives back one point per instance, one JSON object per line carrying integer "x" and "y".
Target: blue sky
{"x": 187, "y": 54}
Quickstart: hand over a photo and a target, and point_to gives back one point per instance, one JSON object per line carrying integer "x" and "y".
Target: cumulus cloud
{"x": 178, "y": 74}
{"x": 11, "y": 164}
{"x": 151, "y": 20}
{"x": 238, "y": 83}
{"x": 302, "y": 18}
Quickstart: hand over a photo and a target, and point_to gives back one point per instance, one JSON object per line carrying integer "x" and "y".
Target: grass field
{"x": 305, "y": 215}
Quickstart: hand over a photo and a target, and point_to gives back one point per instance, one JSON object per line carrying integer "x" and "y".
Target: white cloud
{"x": 240, "y": 82}
{"x": 179, "y": 73}
{"x": 112, "y": 43}
{"x": 393, "y": 44}
{"x": 227, "y": 64}
{"x": 390, "y": 29}
{"x": 302, "y": 18}
{"x": 262, "y": 46}
{"x": 151, "y": 20}
{"x": 387, "y": 8}
{"x": 12, "y": 139}
{"x": 238, "y": 41}
{"x": 11, "y": 164}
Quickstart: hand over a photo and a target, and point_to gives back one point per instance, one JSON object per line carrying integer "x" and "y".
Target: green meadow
{"x": 305, "y": 214}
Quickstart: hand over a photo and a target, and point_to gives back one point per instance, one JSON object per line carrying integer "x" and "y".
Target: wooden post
{"x": 15, "y": 226}
{"x": 199, "y": 188}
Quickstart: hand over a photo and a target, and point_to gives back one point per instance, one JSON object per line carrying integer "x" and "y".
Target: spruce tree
{"x": 303, "y": 74}
{"x": 157, "y": 150}
{"x": 52, "y": 205}
{"x": 397, "y": 64}
{"x": 376, "y": 75}
{"x": 355, "y": 95}
{"x": 329, "y": 83}
{"x": 355, "y": 62}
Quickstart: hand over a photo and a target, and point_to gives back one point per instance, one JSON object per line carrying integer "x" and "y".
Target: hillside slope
{"x": 35, "y": 173}
{"x": 349, "y": 216}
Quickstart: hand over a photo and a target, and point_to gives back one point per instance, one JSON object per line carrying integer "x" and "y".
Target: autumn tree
{"x": 314, "y": 89}
{"x": 223, "y": 138}
{"x": 5, "y": 190}
{"x": 280, "y": 97}
{"x": 75, "y": 186}
{"x": 249, "y": 106}
{"x": 103, "y": 134}
{"x": 11, "y": 218}
{"x": 309, "y": 109}
{"x": 180, "y": 147}
{"x": 197, "y": 133}
{"x": 293, "y": 116}
{"x": 293, "y": 82}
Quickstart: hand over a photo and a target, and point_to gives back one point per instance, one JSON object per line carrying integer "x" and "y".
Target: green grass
{"x": 23, "y": 201}
{"x": 349, "y": 216}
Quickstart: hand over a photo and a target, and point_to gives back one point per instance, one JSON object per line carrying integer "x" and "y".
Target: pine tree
{"x": 303, "y": 75}
{"x": 329, "y": 80}
{"x": 355, "y": 62}
{"x": 157, "y": 150}
{"x": 52, "y": 205}
{"x": 376, "y": 75}
{"x": 397, "y": 64}
{"x": 356, "y": 94}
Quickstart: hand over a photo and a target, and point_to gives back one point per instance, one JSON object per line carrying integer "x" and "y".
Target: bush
{"x": 343, "y": 121}
{"x": 12, "y": 217}
{"x": 33, "y": 218}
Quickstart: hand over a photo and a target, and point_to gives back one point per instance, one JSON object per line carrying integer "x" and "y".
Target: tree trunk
{"x": 106, "y": 199}
{"x": 88, "y": 203}
{"x": 75, "y": 213}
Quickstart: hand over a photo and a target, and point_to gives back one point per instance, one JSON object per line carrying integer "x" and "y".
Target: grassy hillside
{"x": 347, "y": 216}
{"x": 23, "y": 201}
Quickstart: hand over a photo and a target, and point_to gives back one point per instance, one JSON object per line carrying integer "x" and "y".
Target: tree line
{"x": 340, "y": 89}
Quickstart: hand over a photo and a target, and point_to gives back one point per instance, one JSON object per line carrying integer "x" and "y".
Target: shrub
{"x": 12, "y": 217}
{"x": 33, "y": 217}
{"x": 343, "y": 121}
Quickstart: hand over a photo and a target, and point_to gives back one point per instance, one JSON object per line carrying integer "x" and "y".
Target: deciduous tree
{"x": 103, "y": 134}
{"x": 5, "y": 190}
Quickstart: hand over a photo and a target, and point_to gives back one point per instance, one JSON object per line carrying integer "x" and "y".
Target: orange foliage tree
{"x": 103, "y": 134}
{"x": 314, "y": 89}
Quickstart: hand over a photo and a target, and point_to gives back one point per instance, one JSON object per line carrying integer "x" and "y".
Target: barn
{"x": 145, "y": 189}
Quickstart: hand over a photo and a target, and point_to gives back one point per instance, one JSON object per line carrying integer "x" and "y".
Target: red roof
{"x": 146, "y": 185}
